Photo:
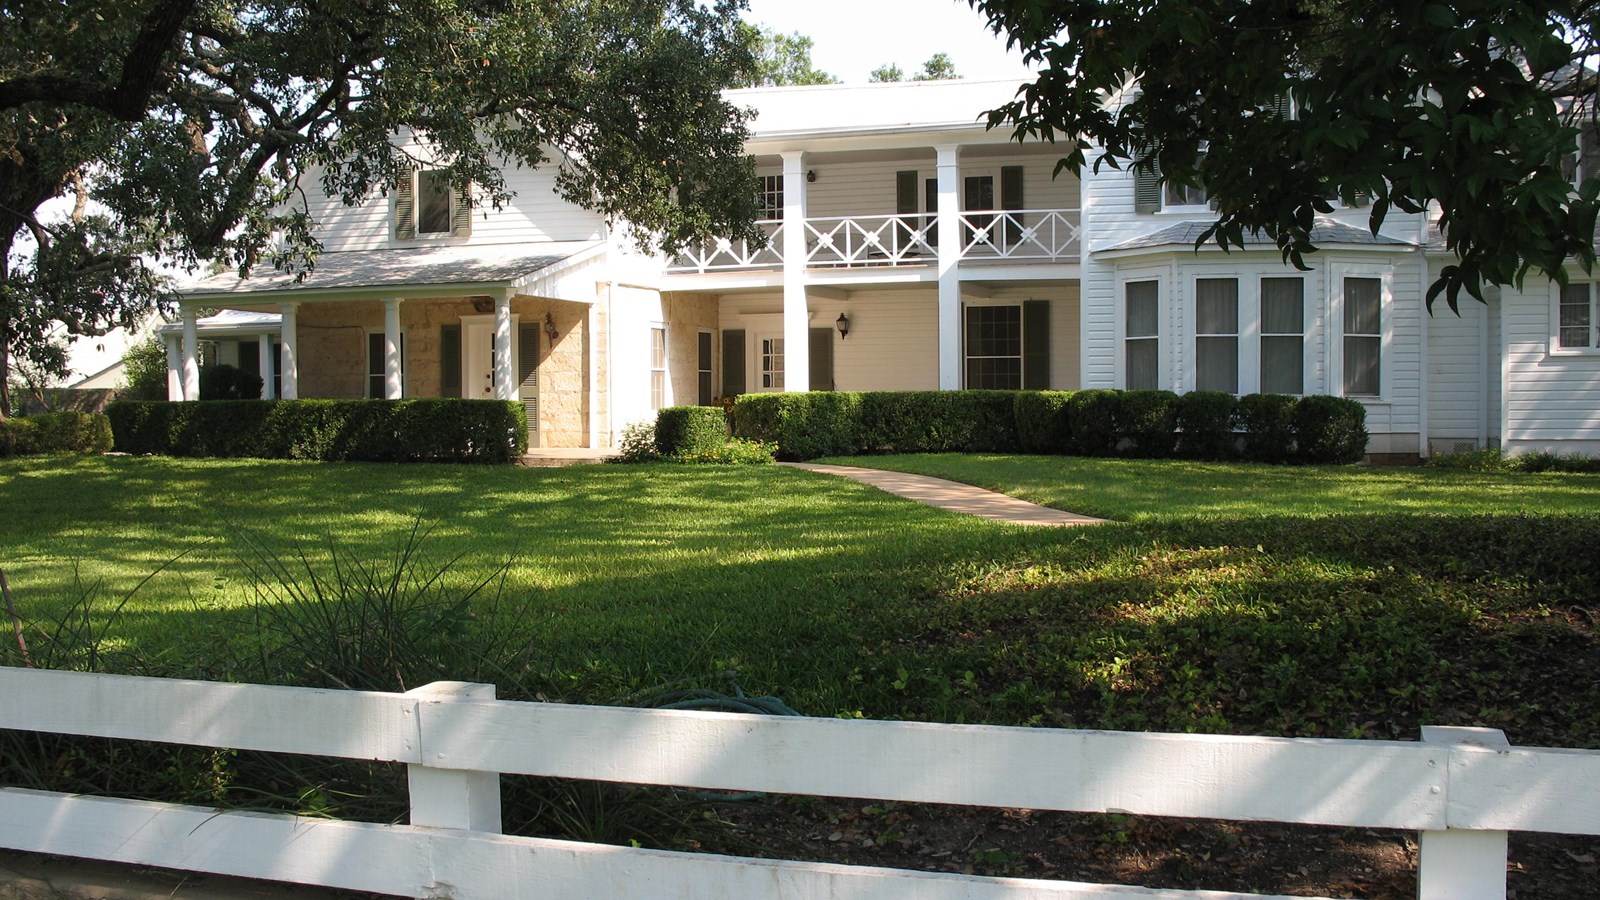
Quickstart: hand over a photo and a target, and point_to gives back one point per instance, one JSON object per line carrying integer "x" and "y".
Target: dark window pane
{"x": 1216, "y": 309}
{"x": 1217, "y": 364}
{"x": 433, "y": 202}
{"x": 1362, "y": 302}
{"x": 1283, "y": 307}
{"x": 1144, "y": 372}
{"x": 1361, "y": 355}
{"x": 1282, "y": 365}
{"x": 1143, "y": 308}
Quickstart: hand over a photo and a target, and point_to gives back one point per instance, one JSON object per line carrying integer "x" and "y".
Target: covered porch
{"x": 520, "y": 325}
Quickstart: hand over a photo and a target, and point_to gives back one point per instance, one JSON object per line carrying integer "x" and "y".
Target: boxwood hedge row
{"x": 55, "y": 433}
{"x": 421, "y": 430}
{"x": 1204, "y": 425}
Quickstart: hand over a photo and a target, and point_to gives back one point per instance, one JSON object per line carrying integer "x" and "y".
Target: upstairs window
{"x": 769, "y": 197}
{"x": 426, "y": 206}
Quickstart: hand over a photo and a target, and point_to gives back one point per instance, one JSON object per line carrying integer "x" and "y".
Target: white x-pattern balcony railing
{"x": 1048, "y": 235}
{"x": 870, "y": 240}
{"x": 1038, "y": 234}
{"x": 722, "y": 254}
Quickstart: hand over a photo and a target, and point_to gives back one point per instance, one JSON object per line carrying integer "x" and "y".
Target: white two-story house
{"x": 909, "y": 249}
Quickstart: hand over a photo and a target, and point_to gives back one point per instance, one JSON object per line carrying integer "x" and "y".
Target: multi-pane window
{"x": 994, "y": 347}
{"x": 1283, "y": 332}
{"x": 772, "y": 363}
{"x": 1142, "y": 340}
{"x": 658, "y": 367}
{"x": 433, "y": 201}
{"x": 376, "y": 372}
{"x": 769, "y": 197}
{"x": 1216, "y": 335}
{"x": 1576, "y": 329}
{"x": 1363, "y": 338}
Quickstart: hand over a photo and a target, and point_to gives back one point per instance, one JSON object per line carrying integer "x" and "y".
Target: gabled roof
{"x": 1323, "y": 231}
{"x": 456, "y": 267}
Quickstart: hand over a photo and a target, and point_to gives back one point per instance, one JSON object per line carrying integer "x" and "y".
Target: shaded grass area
{"x": 1232, "y": 598}
{"x": 1365, "y": 619}
{"x": 1136, "y": 490}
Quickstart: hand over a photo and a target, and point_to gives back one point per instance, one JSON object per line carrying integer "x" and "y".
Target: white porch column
{"x": 591, "y": 333}
{"x": 174, "y": 369}
{"x": 949, "y": 230}
{"x": 393, "y": 388}
{"x": 796, "y": 313}
{"x": 191, "y": 356}
{"x": 505, "y": 385}
{"x": 291, "y": 352}
{"x": 267, "y": 365}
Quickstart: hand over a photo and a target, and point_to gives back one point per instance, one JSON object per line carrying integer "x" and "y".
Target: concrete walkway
{"x": 954, "y": 496}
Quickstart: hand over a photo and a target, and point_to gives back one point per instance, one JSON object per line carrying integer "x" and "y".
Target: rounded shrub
{"x": 55, "y": 433}
{"x": 1147, "y": 424}
{"x": 225, "y": 382}
{"x": 1043, "y": 423}
{"x": 1268, "y": 424}
{"x": 1205, "y": 421}
{"x": 1094, "y": 415}
{"x": 686, "y": 430}
{"x": 1329, "y": 430}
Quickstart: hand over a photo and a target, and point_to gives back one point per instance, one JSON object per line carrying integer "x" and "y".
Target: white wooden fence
{"x": 1463, "y": 789}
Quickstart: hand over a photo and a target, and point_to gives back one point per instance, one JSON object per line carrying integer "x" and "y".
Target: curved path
{"x": 954, "y": 496}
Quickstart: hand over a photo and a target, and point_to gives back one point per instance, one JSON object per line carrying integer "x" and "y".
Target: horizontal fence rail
{"x": 1041, "y": 234}
{"x": 723, "y": 254}
{"x": 1464, "y": 789}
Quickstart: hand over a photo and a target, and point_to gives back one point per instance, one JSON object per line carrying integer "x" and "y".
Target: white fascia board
{"x": 1172, "y": 250}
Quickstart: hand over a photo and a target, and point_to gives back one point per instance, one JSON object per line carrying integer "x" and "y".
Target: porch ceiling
{"x": 457, "y": 270}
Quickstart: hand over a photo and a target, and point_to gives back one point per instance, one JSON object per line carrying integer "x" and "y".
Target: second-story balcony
{"x": 1029, "y": 235}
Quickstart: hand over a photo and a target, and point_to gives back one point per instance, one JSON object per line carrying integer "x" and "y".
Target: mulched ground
{"x": 1110, "y": 849}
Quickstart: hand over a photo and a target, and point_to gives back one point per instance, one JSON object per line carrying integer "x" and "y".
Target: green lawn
{"x": 1136, "y": 490}
{"x": 1235, "y": 598}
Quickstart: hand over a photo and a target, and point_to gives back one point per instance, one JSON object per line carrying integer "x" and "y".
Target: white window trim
{"x": 366, "y": 365}
{"x": 757, "y": 325}
{"x": 769, "y": 215}
{"x": 1554, "y": 347}
{"x": 1337, "y": 273}
{"x": 1185, "y": 209}
{"x": 1163, "y": 279}
{"x": 1249, "y": 279}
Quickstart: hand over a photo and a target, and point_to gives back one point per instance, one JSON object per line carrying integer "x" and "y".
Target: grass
{"x": 1240, "y": 599}
{"x": 1167, "y": 490}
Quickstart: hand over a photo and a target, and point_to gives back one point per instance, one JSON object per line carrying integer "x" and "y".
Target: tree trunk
{"x": 5, "y": 334}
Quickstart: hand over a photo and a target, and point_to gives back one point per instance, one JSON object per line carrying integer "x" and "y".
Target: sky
{"x": 853, "y": 37}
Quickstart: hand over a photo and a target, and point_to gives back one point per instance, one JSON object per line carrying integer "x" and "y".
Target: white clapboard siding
{"x": 1358, "y": 783}
{"x": 427, "y": 862}
{"x": 349, "y": 724}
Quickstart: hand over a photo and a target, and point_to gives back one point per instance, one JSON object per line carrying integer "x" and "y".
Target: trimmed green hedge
{"x": 422, "y": 430}
{"x": 1149, "y": 424}
{"x": 689, "y": 430}
{"x": 55, "y": 433}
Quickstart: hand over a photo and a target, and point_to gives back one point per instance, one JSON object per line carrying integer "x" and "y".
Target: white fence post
{"x": 1462, "y": 865}
{"x": 453, "y": 798}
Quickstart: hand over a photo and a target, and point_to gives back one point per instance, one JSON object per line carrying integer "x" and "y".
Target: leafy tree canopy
{"x": 184, "y": 128}
{"x": 1471, "y": 105}
{"x": 939, "y": 67}
{"x": 887, "y": 72}
{"x": 780, "y": 59}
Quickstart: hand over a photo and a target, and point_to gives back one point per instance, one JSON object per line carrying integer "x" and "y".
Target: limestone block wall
{"x": 333, "y": 354}
{"x": 687, "y": 316}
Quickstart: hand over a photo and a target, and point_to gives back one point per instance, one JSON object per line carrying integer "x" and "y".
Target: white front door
{"x": 477, "y": 356}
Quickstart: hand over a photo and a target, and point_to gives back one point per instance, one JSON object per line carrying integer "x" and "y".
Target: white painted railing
{"x": 1051, "y": 235}
{"x": 723, "y": 254}
{"x": 870, "y": 240}
{"x": 1464, "y": 789}
{"x": 1035, "y": 234}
